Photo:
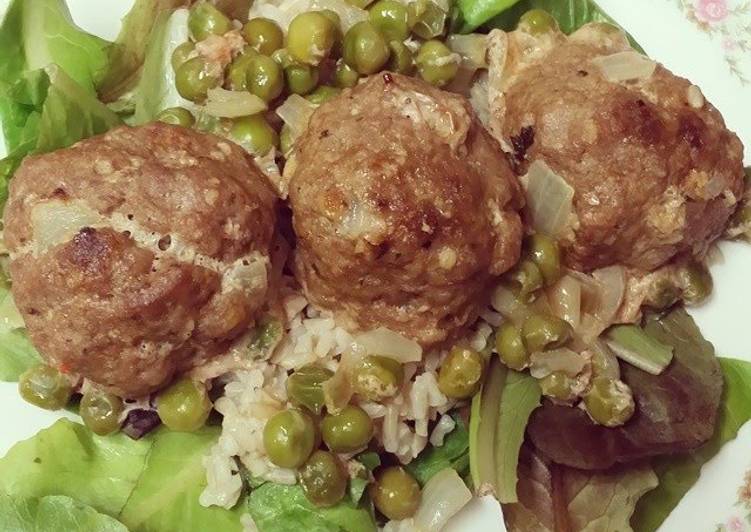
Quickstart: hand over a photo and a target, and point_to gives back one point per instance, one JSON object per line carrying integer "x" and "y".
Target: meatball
{"x": 655, "y": 172}
{"x": 139, "y": 253}
{"x": 404, "y": 208}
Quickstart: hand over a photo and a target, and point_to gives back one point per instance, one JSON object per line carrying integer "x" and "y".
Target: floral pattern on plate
{"x": 728, "y": 21}
{"x": 740, "y": 520}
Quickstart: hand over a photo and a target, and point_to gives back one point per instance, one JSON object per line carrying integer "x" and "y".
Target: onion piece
{"x": 565, "y": 300}
{"x": 442, "y": 497}
{"x": 232, "y": 104}
{"x": 383, "y": 341}
{"x": 472, "y": 47}
{"x": 296, "y": 112}
{"x": 549, "y": 199}
{"x": 546, "y": 362}
{"x": 632, "y": 344}
{"x": 625, "y": 66}
{"x": 54, "y": 222}
{"x": 612, "y": 281}
{"x": 507, "y": 303}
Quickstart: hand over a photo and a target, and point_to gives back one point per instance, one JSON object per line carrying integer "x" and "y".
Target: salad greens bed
{"x": 54, "y": 80}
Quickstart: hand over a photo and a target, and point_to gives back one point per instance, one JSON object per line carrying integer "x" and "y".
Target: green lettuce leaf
{"x": 68, "y": 459}
{"x": 53, "y": 514}
{"x": 156, "y": 88}
{"x": 166, "y": 495}
{"x": 128, "y": 52}
{"x": 570, "y": 14}
{"x": 277, "y": 508}
{"x": 17, "y": 354}
{"x": 454, "y": 453}
{"x": 678, "y": 473}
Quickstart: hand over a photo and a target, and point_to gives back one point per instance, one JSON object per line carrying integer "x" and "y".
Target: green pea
{"x": 282, "y": 58}
{"x": 528, "y": 279}
{"x": 609, "y": 402}
{"x": 301, "y": 79}
{"x": 436, "y": 63}
{"x": 347, "y": 431}
{"x": 559, "y": 386}
{"x": 663, "y": 294}
{"x": 542, "y": 332}
{"x": 426, "y": 19}
{"x": 181, "y": 54}
{"x": 323, "y": 479}
{"x": 305, "y": 385}
{"x": 286, "y": 142}
{"x": 401, "y": 60}
{"x": 177, "y": 116}
{"x": 390, "y": 18}
{"x": 537, "y": 21}
{"x": 333, "y": 16}
{"x": 265, "y": 78}
{"x": 322, "y": 94}
{"x": 510, "y": 346}
{"x": 101, "y": 411}
{"x": 205, "y": 19}
{"x": 289, "y": 438}
{"x": 184, "y": 406}
{"x": 239, "y": 70}
{"x": 377, "y": 377}
{"x": 345, "y": 76}
{"x": 45, "y": 387}
{"x": 194, "y": 78}
{"x": 310, "y": 37}
{"x": 460, "y": 374}
{"x": 263, "y": 35}
{"x": 365, "y": 49}
{"x": 544, "y": 252}
{"x": 696, "y": 282}
{"x": 254, "y": 134}
{"x": 395, "y": 493}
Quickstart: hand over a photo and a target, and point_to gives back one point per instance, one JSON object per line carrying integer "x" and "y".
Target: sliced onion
{"x": 383, "y": 341}
{"x": 565, "y": 300}
{"x": 565, "y": 360}
{"x": 296, "y": 112}
{"x": 472, "y": 47}
{"x": 54, "y": 222}
{"x": 232, "y": 104}
{"x": 442, "y": 497}
{"x": 549, "y": 198}
{"x": 507, "y": 303}
{"x": 625, "y": 66}
{"x": 612, "y": 281}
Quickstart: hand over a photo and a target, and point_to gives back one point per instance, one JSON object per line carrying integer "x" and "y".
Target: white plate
{"x": 706, "y": 41}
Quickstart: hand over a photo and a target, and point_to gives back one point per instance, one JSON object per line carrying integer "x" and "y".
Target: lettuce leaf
{"x": 278, "y": 508}
{"x": 676, "y": 410}
{"x": 156, "y": 88}
{"x": 555, "y": 498}
{"x": 68, "y": 459}
{"x": 678, "y": 473}
{"x": 128, "y": 52}
{"x": 166, "y": 494}
{"x": 570, "y": 14}
{"x": 454, "y": 453}
{"x": 17, "y": 354}
{"x": 53, "y": 514}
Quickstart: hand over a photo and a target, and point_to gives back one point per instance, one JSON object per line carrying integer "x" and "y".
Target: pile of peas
{"x": 184, "y": 406}
{"x": 309, "y": 439}
{"x": 315, "y": 60}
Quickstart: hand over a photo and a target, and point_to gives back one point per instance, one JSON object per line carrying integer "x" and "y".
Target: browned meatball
{"x": 655, "y": 171}
{"x": 404, "y": 208}
{"x": 138, "y": 253}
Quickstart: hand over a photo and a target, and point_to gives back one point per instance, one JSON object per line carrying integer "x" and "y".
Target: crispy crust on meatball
{"x": 655, "y": 171}
{"x": 139, "y": 253}
{"x": 404, "y": 209}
